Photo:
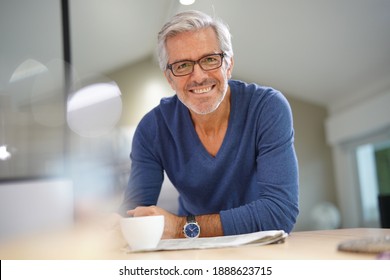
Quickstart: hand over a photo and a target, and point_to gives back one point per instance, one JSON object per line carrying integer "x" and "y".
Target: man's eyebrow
{"x": 187, "y": 59}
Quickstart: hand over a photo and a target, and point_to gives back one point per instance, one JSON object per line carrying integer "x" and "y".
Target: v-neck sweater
{"x": 252, "y": 181}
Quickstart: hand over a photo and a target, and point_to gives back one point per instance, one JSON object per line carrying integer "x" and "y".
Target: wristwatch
{"x": 191, "y": 229}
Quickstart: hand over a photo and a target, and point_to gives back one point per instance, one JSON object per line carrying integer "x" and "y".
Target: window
{"x": 373, "y": 165}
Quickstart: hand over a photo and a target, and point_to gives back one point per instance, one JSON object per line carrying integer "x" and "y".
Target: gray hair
{"x": 192, "y": 21}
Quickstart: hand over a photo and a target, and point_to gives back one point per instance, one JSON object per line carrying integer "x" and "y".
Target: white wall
{"x": 316, "y": 176}
{"x": 142, "y": 86}
{"x": 360, "y": 120}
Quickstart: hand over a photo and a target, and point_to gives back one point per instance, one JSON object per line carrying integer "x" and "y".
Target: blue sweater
{"x": 252, "y": 182}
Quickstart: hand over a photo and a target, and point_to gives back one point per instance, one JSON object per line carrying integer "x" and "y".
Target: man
{"x": 226, "y": 146}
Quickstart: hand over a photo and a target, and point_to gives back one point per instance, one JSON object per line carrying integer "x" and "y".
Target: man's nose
{"x": 198, "y": 73}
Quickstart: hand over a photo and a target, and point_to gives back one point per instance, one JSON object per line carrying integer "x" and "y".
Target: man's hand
{"x": 173, "y": 227}
{"x": 210, "y": 225}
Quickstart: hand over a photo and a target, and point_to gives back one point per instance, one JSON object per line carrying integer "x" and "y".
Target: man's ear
{"x": 230, "y": 69}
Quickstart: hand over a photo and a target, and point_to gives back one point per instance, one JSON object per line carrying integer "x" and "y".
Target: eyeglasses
{"x": 186, "y": 67}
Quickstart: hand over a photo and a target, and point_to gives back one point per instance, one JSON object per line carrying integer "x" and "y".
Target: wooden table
{"x": 92, "y": 244}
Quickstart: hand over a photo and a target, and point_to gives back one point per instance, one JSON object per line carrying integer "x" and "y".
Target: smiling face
{"x": 201, "y": 91}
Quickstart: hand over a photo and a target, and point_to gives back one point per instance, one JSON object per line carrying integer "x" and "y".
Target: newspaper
{"x": 255, "y": 238}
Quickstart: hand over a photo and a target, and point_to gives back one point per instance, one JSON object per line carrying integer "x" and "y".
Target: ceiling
{"x": 329, "y": 52}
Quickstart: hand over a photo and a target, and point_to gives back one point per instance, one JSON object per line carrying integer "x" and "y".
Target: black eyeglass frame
{"x": 222, "y": 55}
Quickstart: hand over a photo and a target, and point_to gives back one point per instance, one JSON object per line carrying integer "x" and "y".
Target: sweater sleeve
{"x": 146, "y": 174}
{"x": 276, "y": 206}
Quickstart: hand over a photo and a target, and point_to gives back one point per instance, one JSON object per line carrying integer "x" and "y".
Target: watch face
{"x": 192, "y": 230}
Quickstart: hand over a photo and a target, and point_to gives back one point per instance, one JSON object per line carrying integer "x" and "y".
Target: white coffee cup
{"x": 142, "y": 233}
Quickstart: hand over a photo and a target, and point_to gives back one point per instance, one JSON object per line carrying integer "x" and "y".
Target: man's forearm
{"x": 210, "y": 225}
